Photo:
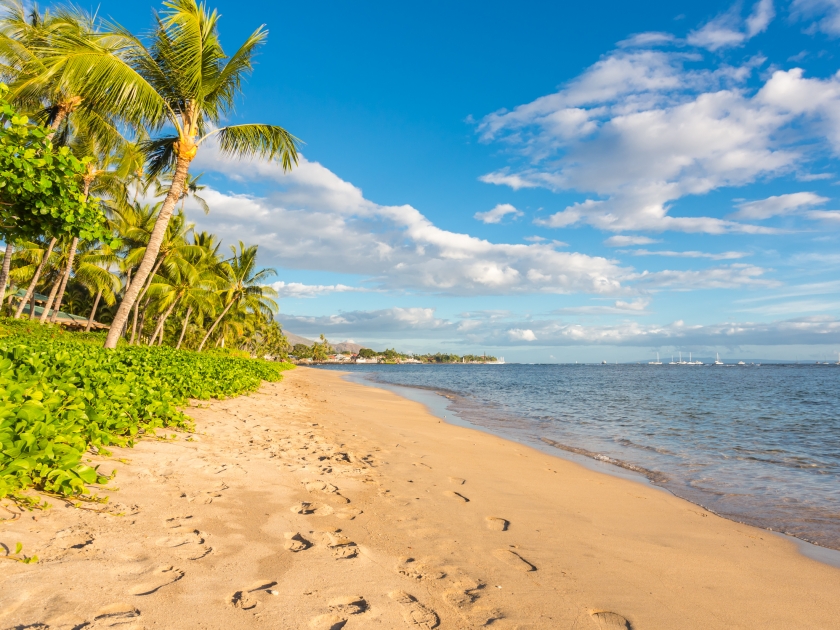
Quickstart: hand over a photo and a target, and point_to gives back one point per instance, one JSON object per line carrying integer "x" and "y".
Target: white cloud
{"x": 827, "y": 216}
{"x": 518, "y": 334}
{"x": 640, "y": 130}
{"x": 729, "y": 30}
{"x": 620, "y": 307}
{"x": 379, "y": 323}
{"x": 497, "y": 214}
{"x": 647, "y": 39}
{"x": 777, "y": 205}
{"x": 312, "y": 219}
{"x": 689, "y": 254}
{"x": 723, "y": 277}
{"x": 299, "y": 290}
{"x": 824, "y": 13}
{"x": 620, "y": 240}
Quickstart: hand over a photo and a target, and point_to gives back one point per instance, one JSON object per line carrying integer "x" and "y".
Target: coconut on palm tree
{"x": 193, "y": 87}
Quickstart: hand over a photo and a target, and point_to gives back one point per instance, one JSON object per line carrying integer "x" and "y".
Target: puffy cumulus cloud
{"x": 300, "y": 290}
{"x": 778, "y": 205}
{"x": 823, "y": 15}
{"x": 310, "y": 218}
{"x": 728, "y": 29}
{"x": 519, "y": 334}
{"x": 643, "y": 128}
{"x": 620, "y": 240}
{"x": 497, "y": 214}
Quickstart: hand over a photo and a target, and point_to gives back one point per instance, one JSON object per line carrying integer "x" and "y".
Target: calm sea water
{"x": 760, "y": 445}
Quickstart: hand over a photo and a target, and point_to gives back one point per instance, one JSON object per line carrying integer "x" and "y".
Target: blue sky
{"x": 599, "y": 181}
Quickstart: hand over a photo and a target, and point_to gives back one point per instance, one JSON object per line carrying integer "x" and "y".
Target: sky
{"x": 548, "y": 182}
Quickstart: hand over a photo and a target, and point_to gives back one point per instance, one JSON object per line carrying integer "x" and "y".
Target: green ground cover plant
{"x": 63, "y": 395}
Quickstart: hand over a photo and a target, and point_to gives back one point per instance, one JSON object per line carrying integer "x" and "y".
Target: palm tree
{"x": 43, "y": 258}
{"x": 194, "y": 85}
{"x": 243, "y": 286}
{"x": 93, "y": 273}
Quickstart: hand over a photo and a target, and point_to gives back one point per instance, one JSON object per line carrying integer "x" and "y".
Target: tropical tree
{"x": 190, "y": 86}
{"x": 243, "y": 286}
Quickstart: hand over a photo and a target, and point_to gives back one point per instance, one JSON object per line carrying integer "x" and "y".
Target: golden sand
{"x": 318, "y": 503}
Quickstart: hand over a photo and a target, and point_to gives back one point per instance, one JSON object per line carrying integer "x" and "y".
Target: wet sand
{"x": 320, "y": 503}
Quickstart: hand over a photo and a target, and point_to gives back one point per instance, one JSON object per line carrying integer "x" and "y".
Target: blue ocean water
{"x": 760, "y": 445}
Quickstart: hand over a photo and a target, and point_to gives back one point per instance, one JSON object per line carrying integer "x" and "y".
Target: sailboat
{"x": 657, "y": 362}
{"x": 681, "y": 361}
{"x": 672, "y": 361}
{"x": 717, "y": 359}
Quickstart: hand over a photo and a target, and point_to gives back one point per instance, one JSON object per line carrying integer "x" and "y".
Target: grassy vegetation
{"x": 62, "y": 395}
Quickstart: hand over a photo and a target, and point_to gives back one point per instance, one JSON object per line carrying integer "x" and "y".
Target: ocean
{"x": 757, "y": 444}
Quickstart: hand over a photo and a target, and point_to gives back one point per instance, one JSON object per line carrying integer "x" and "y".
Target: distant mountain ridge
{"x": 344, "y": 346}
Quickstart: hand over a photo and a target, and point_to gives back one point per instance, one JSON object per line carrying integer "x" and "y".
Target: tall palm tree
{"x": 244, "y": 286}
{"x": 191, "y": 189}
{"x": 94, "y": 273}
{"x": 193, "y": 87}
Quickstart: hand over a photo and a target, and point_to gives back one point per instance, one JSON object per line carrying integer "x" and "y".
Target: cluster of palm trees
{"x": 141, "y": 108}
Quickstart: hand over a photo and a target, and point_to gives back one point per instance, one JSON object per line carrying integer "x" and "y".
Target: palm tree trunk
{"x": 134, "y": 323}
{"x": 140, "y": 297}
{"x": 142, "y": 320}
{"x": 184, "y": 327}
{"x": 161, "y": 322}
{"x": 216, "y": 323}
{"x": 50, "y": 299}
{"x": 4, "y": 273}
{"x": 31, "y": 290}
{"x": 158, "y": 233}
{"x": 70, "y": 256}
{"x": 93, "y": 311}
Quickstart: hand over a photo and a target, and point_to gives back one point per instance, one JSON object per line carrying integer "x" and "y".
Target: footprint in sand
{"x": 326, "y": 488}
{"x": 457, "y": 496}
{"x": 411, "y": 568}
{"x": 156, "y": 579}
{"x": 415, "y": 614}
{"x": 246, "y": 599}
{"x": 497, "y": 524}
{"x": 458, "y": 481}
{"x": 513, "y": 559}
{"x": 316, "y": 509}
{"x": 350, "y": 605}
{"x": 348, "y": 513}
{"x": 295, "y": 542}
{"x": 605, "y": 620}
{"x": 121, "y": 616}
{"x": 327, "y": 622}
{"x": 342, "y": 548}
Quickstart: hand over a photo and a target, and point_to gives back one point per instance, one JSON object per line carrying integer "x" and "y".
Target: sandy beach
{"x": 320, "y": 503}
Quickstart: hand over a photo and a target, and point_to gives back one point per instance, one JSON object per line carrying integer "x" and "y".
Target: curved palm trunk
{"x": 152, "y": 249}
{"x": 4, "y": 273}
{"x": 50, "y": 299}
{"x": 93, "y": 311}
{"x": 70, "y": 256}
{"x": 184, "y": 327}
{"x": 30, "y": 292}
{"x": 161, "y": 322}
{"x": 213, "y": 327}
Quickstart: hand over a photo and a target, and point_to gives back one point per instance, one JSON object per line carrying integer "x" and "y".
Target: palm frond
{"x": 255, "y": 140}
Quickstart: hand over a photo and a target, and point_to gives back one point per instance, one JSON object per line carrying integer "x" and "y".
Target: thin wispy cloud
{"x": 497, "y": 213}
{"x": 688, "y": 254}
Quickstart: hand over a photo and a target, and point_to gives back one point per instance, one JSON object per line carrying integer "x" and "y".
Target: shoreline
{"x": 321, "y": 503}
{"x": 590, "y": 459}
